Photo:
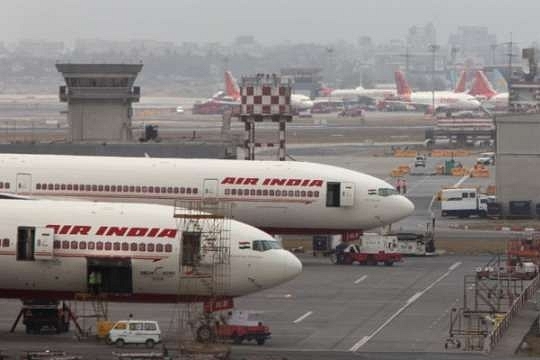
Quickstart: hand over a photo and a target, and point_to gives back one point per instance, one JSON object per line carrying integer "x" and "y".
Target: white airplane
{"x": 375, "y": 94}
{"x": 450, "y": 100}
{"x": 144, "y": 253}
{"x": 483, "y": 91}
{"x": 278, "y": 197}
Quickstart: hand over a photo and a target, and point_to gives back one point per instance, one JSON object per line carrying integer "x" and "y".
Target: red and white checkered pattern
{"x": 265, "y": 100}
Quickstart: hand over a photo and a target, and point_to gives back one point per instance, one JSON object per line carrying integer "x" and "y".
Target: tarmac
{"x": 330, "y": 311}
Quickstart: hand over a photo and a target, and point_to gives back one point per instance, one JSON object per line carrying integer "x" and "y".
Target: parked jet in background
{"x": 443, "y": 100}
{"x": 374, "y": 94}
{"x": 483, "y": 90}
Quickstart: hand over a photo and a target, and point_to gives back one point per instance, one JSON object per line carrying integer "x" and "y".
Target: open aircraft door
{"x": 210, "y": 190}
{"x": 43, "y": 243}
{"x": 24, "y": 183}
{"x": 347, "y": 194}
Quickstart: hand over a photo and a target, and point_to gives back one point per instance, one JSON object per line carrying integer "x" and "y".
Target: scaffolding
{"x": 204, "y": 266}
{"x": 490, "y": 297}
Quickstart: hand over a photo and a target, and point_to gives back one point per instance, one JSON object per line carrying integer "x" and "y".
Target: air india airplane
{"x": 443, "y": 100}
{"x": 277, "y": 197}
{"x": 143, "y": 253}
{"x": 483, "y": 90}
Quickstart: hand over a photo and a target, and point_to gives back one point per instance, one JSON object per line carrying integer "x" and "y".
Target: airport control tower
{"x": 99, "y": 98}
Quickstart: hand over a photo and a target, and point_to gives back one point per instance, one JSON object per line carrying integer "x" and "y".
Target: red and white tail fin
{"x": 460, "y": 85}
{"x": 482, "y": 86}
{"x": 325, "y": 91}
{"x": 403, "y": 87}
{"x": 231, "y": 87}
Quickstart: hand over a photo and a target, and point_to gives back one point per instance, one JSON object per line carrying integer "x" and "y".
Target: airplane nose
{"x": 401, "y": 208}
{"x": 292, "y": 266}
{"x": 407, "y": 206}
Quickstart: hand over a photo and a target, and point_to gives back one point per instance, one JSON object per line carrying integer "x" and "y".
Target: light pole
{"x": 433, "y": 48}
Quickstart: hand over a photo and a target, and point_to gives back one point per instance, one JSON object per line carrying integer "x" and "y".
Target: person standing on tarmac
{"x": 99, "y": 280}
{"x": 92, "y": 281}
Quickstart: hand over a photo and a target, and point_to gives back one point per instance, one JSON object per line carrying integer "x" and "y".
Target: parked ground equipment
{"x": 371, "y": 251}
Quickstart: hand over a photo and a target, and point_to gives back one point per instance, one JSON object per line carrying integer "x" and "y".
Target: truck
{"x": 45, "y": 314}
{"x": 464, "y": 202}
{"x": 526, "y": 270}
{"x": 372, "y": 250}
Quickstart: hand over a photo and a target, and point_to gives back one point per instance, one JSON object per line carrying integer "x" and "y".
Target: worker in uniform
{"x": 92, "y": 278}
{"x": 99, "y": 280}
{"x": 404, "y": 186}
{"x": 398, "y": 185}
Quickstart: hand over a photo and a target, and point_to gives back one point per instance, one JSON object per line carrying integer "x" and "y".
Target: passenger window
{"x": 150, "y": 326}
{"x": 472, "y": 195}
{"x": 465, "y": 195}
{"x": 333, "y": 190}
{"x": 135, "y": 326}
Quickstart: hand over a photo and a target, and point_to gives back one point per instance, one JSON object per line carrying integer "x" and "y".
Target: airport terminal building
{"x": 518, "y": 164}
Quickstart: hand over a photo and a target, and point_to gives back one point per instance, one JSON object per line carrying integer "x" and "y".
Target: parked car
{"x": 420, "y": 160}
{"x": 487, "y": 158}
{"x": 145, "y": 332}
{"x": 179, "y": 109}
{"x": 353, "y": 112}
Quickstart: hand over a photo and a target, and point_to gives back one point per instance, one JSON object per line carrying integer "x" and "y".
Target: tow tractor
{"x": 371, "y": 251}
{"x": 236, "y": 326}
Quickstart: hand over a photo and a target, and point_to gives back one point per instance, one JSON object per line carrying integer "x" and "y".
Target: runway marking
{"x": 359, "y": 280}
{"x": 360, "y": 343}
{"x": 409, "y": 302}
{"x": 461, "y": 181}
{"x": 303, "y": 317}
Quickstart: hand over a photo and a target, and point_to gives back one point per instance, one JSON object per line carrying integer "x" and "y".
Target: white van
{"x": 135, "y": 332}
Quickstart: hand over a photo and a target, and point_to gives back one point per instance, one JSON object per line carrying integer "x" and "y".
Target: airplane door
{"x": 43, "y": 243}
{"x": 347, "y": 194}
{"x": 210, "y": 190}
{"x": 24, "y": 183}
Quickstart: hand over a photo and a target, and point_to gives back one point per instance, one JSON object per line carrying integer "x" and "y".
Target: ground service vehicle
{"x": 487, "y": 158}
{"x": 372, "y": 250}
{"x": 414, "y": 244}
{"x": 420, "y": 160}
{"x": 463, "y": 202}
{"x": 145, "y": 332}
{"x": 355, "y": 111}
{"x": 39, "y": 314}
{"x": 241, "y": 325}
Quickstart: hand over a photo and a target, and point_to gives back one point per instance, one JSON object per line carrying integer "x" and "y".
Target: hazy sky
{"x": 270, "y": 21}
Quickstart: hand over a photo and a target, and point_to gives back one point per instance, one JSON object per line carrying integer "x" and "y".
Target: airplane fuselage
{"x": 279, "y": 197}
{"x": 143, "y": 252}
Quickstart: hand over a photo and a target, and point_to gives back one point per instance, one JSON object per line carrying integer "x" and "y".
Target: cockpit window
{"x": 387, "y": 192}
{"x": 263, "y": 245}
